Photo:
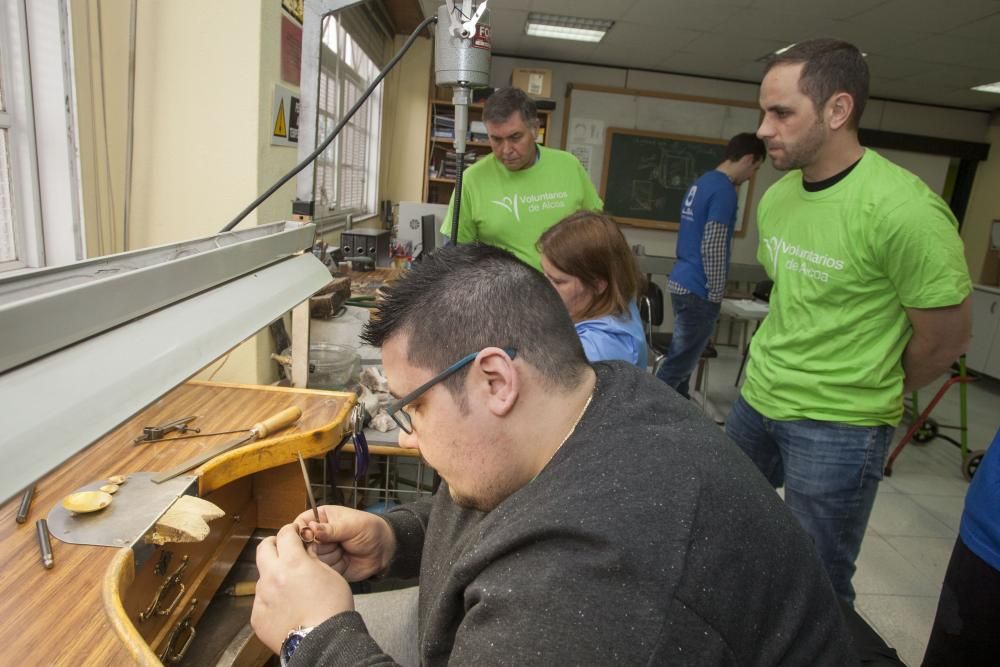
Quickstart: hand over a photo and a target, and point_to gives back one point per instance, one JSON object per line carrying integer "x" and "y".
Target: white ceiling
{"x": 926, "y": 51}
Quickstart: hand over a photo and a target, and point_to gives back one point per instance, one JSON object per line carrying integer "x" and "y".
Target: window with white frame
{"x": 347, "y": 171}
{"x": 36, "y": 150}
{"x": 8, "y": 242}
{"x": 12, "y": 90}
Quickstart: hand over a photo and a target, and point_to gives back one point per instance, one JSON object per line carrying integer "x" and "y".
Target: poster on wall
{"x": 587, "y": 131}
{"x": 583, "y": 153}
{"x": 284, "y": 117}
{"x": 295, "y": 7}
{"x": 291, "y": 51}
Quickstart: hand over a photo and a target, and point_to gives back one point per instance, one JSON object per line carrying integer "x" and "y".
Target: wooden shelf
{"x": 446, "y": 140}
{"x": 436, "y": 188}
{"x": 449, "y": 103}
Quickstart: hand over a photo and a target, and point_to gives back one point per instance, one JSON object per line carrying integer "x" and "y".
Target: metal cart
{"x": 925, "y": 428}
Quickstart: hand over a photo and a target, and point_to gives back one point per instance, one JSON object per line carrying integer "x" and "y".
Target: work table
{"x": 79, "y": 612}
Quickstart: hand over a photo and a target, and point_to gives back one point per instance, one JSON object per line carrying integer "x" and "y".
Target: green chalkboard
{"x": 647, "y": 174}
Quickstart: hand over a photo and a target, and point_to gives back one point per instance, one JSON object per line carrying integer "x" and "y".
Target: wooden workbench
{"x": 84, "y": 611}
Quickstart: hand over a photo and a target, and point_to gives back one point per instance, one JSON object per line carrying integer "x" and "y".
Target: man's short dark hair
{"x": 830, "y": 66}
{"x": 463, "y": 298}
{"x": 505, "y": 101}
{"x": 745, "y": 143}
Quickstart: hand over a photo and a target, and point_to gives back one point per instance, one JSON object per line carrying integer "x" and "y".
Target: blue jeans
{"x": 830, "y": 472}
{"x": 694, "y": 322}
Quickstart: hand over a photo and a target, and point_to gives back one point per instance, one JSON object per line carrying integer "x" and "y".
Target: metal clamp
{"x": 359, "y": 418}
{"x": 183, "y": 624}
{"x": 154, "y": 433}
{"x": 174, "y": 579}
{"x": 464, "y": 29}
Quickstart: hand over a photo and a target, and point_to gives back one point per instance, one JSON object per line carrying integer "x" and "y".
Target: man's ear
{"x": 838, "y": 110}
{"x": 499, "y": 381}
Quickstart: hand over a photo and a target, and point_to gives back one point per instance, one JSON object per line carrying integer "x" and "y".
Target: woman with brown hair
{"x": 586, "y": 258}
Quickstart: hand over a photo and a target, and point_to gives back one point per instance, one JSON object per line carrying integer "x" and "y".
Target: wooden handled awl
{"x": 269, "y": 426}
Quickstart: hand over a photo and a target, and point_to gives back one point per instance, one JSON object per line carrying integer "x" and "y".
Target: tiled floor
{"x": 915, "y": 520}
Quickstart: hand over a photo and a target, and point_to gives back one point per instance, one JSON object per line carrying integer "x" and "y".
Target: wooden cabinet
{"x": 984, "y": 352}
{"x": 439, "y": 156}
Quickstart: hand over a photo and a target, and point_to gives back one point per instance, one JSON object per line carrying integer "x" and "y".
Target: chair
{"x": 651, "y": 312}
{"x": 763, "y": 290}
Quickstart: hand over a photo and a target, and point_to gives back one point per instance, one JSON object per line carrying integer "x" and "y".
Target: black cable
{"x": 457, "y": 207}
{"x": 350, "y": 114}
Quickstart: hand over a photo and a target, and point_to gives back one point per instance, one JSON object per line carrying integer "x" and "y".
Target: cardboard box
{"x": 535, "y": 82}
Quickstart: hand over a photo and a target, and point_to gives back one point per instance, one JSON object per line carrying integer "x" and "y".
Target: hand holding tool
{"x": 271, "y": 425}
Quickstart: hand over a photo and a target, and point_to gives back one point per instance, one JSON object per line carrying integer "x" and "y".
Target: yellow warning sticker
{"x": 280, "y": 129}
{"x": 284, "y": 116}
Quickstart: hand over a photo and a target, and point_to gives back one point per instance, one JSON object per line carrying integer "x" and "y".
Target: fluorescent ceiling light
{"x": 566, "y": 27}
{"x": 988, "y": 87}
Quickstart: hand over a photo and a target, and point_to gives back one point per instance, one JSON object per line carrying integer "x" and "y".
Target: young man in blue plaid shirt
{"x": 698, "y": 281}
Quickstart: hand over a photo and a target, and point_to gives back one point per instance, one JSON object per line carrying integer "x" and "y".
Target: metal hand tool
{"x": 44, "y": 544}
{"x": 286, "y": 417}
{"x": 358, "y": 418}
{"x": 154, "y": 433}
{"x": 309, "y": 490}
{"x": 22, "y": 510}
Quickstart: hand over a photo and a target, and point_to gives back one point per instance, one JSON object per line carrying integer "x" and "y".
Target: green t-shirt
{"x": 511, "y": 209}
{"x": 846, "y": 262}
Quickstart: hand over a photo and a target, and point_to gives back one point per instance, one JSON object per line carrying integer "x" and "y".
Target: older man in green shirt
{"x": 513, "y": 195}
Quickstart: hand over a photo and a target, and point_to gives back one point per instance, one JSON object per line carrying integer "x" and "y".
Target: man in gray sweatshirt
{"x": 588, "y": 515}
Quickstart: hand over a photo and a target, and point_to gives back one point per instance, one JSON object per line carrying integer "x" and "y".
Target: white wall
{"x": 932, "y": 169}
{"x": 196, "y": 117}
{"x": 984, "y": 208}
{"x": 204, "y": 75}
{"x": 404, "y": 123}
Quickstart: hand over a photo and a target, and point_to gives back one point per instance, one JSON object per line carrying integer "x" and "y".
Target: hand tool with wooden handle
{"x": 286, "y": 417}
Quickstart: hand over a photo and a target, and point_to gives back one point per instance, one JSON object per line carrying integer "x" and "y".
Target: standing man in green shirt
{"x": 870, "y": 301}
{"x": 513, "y": 195}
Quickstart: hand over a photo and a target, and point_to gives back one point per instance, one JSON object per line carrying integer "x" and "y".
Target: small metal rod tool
{"x": 44, "y": 545}
{"x": 22, "y": 511}
{"x": 308, "y": 538}
{"x": 309, "y": 491}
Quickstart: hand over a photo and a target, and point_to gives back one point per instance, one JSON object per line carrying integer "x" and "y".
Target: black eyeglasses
{"x": 402, "y": 417}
